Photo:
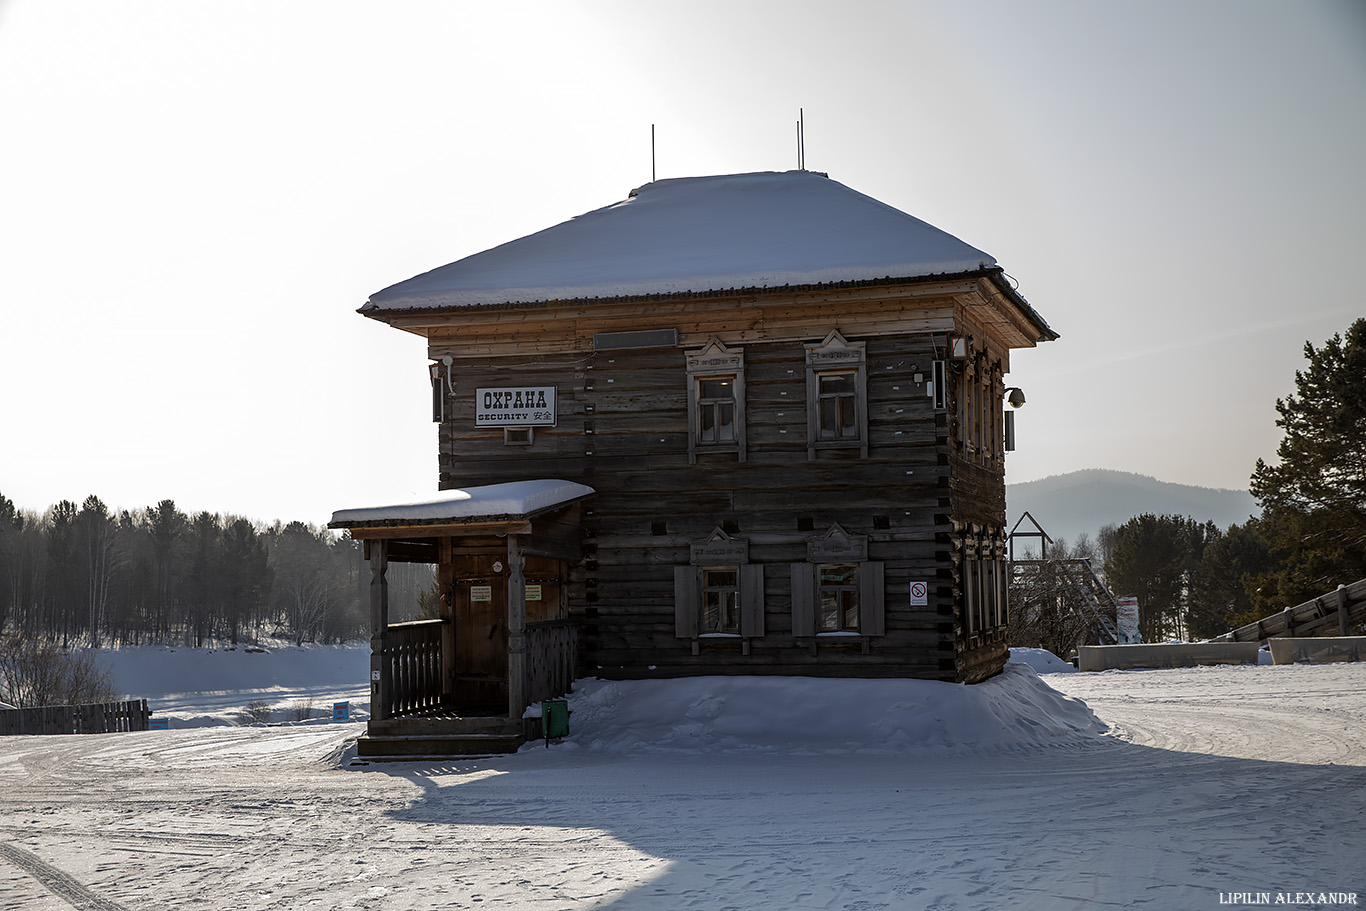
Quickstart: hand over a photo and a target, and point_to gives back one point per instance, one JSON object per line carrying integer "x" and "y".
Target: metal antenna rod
{"x": 652, "y": 153}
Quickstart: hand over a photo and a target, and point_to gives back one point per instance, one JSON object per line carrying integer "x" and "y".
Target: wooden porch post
{"x": 381, "y": 681}
{"x": 516, "y": 628}
{"x": 445, "y": 574}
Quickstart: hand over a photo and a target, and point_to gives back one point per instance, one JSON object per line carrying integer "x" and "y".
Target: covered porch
{"x": 459, "y": 683}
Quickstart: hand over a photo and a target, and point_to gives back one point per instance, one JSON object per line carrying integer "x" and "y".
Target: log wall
{"x": 622, "y": 429}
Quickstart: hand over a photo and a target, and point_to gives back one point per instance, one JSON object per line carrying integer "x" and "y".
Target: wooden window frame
{"x": 718, "y": 551}
{"x": 823, "y": 585}
{"x": 733, "y": 589}
{"x": 715, "y": 361}
{"x": 837, "y": 547}
{"x": 979, "y": 415}
{"x": 836, "y": 356}
{"x": 510, "y": 436}
{"x": 982, "y": 581}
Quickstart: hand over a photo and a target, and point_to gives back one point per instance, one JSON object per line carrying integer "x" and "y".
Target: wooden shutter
{"x": 687, "y": 601}
{"x": 803, "y": 599}
{"x": 752, "y": 600}
{"x": 872, "y": 619}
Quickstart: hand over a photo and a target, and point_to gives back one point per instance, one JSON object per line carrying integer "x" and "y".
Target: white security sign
{"x": 515, "y": 406}
{"x": 920, "y": 594}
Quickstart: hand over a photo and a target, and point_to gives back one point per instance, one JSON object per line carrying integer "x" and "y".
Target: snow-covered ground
{"x": 1166, "y": 789}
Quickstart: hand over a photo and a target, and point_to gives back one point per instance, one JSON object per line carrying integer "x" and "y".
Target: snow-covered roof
{"x": 695, "y": 235}
{"x": 513, "y": 500}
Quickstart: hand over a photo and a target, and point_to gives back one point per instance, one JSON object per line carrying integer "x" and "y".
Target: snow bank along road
{"x": 1210, "y": 783}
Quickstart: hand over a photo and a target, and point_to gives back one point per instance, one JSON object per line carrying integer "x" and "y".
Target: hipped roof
{"x": 695, "y": 235}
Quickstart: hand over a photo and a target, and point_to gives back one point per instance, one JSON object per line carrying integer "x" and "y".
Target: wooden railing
{"x": 551, "y": 657}
{"x": 1332, "y": 613}
{"x": 413, "y": 653}
{"x": 95, "y": 718}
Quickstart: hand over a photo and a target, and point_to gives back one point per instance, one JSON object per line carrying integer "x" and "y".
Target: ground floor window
{"x": 982, "y": 580}
{"x": 838, "y": 590}
{"x": 721, "y": 599}
{"x": 719, "y": 593}
{"x": 838, "y": 601}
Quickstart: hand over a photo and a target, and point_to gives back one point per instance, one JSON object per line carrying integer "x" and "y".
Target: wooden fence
{"x": 552, "y": 653}
{"x": 98, "y": 718}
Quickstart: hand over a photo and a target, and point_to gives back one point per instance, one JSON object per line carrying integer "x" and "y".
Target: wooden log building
{"x": 745, "y": 424}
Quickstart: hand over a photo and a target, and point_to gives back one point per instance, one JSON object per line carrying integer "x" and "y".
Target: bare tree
{"x": 38, "y": 672}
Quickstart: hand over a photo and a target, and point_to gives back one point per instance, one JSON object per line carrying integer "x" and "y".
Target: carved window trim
{"x": 718, "y": 552}
{"x": 714, "y": 362}
{"x": 832, "y": 548}
{"x": 831, "y": 358}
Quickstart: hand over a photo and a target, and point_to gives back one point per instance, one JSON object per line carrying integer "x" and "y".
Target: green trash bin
{"x": 554, "y": 718}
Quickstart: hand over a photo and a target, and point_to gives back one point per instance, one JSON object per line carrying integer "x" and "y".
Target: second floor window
{"x": 716, "y": 410}
{"x": 837, "y": 396}
{"x": 837, "y": 406}
{"x": 716, "y": 400}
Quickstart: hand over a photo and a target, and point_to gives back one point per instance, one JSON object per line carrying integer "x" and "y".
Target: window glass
{"x": 716, "y": 410}
{"x": 721, "y": 600}
{"x": 837, "y": 607}
{"x": 838, "y": 406}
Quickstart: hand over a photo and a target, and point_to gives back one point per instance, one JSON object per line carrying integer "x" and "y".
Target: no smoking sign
{"x": 919, "y": 594}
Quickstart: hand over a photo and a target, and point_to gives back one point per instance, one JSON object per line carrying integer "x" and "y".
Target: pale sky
{"x": 197, "y": 196}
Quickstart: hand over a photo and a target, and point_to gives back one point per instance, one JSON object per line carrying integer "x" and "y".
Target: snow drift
{"x": 810, "y": 716}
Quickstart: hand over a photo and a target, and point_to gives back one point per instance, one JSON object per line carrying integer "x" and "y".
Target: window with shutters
{"x": 720, "y": 599}
{"x": 836, "y": 395}
{"x": 716, "y": 400}
{"x": 980, "y": 422}
{"x": 837, "y": 598}
{"x": 838, "y": 591}
{"x": 982, "y": 580}
{"x": 719, "y": 594}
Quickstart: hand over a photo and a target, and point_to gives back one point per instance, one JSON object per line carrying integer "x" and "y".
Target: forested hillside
{"x": 1083, "y": 502}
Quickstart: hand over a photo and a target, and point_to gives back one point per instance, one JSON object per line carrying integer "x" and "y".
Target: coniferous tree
{"x": 1219, "y": 598}
{"x": 11, "y": 524}
{"x": 95, "y": 540}
{"x": 1314, "y": 497}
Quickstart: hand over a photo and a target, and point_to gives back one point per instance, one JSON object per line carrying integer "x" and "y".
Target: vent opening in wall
{"x": 659, "y": 528}
{"x": 517, "y": 436}
{"x": 882, "y": 522}
{"x": 730, "y": 526}
{"x": 805, "y": 523}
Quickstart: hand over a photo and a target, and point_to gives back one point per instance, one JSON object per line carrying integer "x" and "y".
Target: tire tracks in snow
{"x": 55, "y": 881}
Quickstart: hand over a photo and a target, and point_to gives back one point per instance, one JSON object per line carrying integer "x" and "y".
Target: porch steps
{"x": 427, "y": 746}
{"x": 442, "y": 734}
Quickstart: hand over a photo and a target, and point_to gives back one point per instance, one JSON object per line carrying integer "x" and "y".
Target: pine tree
{"x": 1314, "y": 498}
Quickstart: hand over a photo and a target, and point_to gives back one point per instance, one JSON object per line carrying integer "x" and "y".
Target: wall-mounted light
{"x": 441, "y": 387}
{"x": 1014, "y": 398}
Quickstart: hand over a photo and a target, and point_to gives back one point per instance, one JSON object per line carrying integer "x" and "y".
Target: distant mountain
{"x": 1067, "y": 505}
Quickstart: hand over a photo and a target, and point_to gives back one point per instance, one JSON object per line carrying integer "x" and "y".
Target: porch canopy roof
{"x": 491, "y": 509}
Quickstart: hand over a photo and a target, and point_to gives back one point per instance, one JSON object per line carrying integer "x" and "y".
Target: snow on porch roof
{"x": 497, "y": 502}
{"x": 698, "y": 234}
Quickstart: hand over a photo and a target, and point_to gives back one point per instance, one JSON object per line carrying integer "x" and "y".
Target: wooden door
{"x": 481, "y": 635}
